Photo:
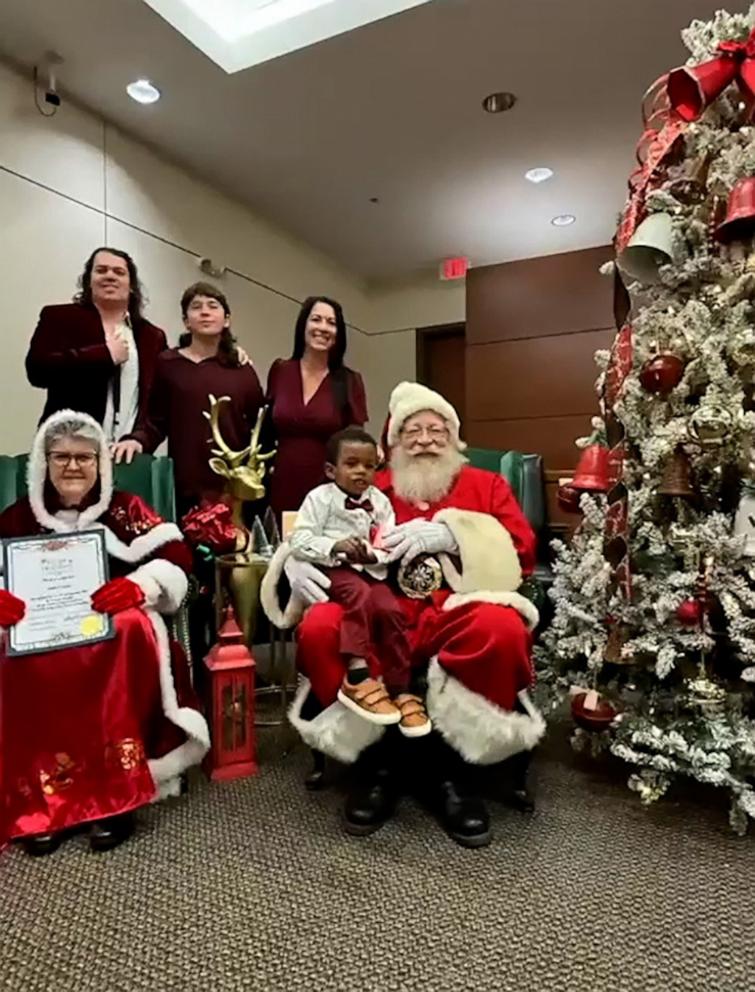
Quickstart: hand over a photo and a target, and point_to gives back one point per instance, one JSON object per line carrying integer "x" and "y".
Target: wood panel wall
{"x": 532, "y": 329}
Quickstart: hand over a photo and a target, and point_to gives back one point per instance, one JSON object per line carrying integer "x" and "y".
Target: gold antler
{"x": 234, "y": 458}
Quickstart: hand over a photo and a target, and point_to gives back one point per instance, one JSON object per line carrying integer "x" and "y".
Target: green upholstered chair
{"x": 524, "y": 473}
{"x": 147, "y": 476}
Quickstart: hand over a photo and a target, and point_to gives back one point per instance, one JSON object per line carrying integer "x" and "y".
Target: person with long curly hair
{"x": 99, "y": 353}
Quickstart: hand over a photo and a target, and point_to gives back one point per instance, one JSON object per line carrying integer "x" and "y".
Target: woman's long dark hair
{"x": 339, "y": 374}
{"x": 136, "y": 298}
{"x": 227, "y": 351}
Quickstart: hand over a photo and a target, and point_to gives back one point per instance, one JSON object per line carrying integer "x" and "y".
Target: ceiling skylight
{"x": 237, "y": 34}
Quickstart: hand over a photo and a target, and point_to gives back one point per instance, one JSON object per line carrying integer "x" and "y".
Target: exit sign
{"x": 453, "y": 268}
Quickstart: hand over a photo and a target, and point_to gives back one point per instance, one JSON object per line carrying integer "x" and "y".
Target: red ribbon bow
{"x": 211, "y": 525}
{"x": 691, "y": 89}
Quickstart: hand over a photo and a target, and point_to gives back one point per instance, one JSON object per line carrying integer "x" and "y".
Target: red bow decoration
{"x": 691, "y": 89}
{"x": 211, "y": 525}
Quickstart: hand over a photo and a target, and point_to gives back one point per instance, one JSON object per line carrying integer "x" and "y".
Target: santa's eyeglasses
{"x": 433, "y": 433}
{"x": 62, "y": 459}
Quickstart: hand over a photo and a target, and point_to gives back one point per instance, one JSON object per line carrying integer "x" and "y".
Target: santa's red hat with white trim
{"x": 409, "y": 398}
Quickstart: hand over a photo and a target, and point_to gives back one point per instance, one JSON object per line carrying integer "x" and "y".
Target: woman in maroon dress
{"x": 311, "y": 396}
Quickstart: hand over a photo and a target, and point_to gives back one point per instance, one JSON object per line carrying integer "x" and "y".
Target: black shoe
{"x": 464, "y": 818}
{"x": 109, "y": 833}
{"x": 370, "y": 804}
{"x": 316, "y": 778}
{"x": 42, "y": 844}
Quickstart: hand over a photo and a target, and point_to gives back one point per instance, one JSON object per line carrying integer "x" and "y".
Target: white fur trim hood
{"x": 481, "y": 732}
{"x": 409, "y": 398}
{"x": 36, "y": 472}
{"x": 490, "y": 570}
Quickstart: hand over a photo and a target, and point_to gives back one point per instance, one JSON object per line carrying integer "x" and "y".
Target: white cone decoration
{"x": 648, "y": 249}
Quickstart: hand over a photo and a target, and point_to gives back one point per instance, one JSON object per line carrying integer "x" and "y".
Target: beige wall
{"x": 71, "y": 182}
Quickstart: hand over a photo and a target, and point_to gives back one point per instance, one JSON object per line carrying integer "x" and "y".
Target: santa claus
{"x": 472, "y": 635}
{"x": 90, "y": 733}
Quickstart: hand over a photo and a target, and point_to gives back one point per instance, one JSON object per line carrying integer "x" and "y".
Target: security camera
{"x": 45, "y": 76}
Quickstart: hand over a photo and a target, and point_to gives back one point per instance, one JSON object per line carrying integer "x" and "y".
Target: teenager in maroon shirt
{"x": 205, "y": 362}
{"x": 312, "y": 395}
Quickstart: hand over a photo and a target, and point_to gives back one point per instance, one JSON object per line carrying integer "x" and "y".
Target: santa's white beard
{"x": 424, "y": 478}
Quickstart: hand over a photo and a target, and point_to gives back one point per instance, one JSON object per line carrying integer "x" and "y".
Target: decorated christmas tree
{"x": 654, "y": 629}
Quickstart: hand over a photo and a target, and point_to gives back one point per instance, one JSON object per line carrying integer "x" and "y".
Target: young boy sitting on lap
{"x": 339, "y": 527}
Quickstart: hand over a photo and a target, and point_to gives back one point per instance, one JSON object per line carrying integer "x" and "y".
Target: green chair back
{"x": 509, "y": 464}
{"x": 147, "y": 476}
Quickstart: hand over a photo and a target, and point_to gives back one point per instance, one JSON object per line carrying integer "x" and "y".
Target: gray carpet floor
{"x": 252, "y": 885}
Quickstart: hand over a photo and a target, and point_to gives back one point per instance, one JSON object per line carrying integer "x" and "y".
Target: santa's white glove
{"x": 418, "y": 537}
{"x": 308, "y": 582}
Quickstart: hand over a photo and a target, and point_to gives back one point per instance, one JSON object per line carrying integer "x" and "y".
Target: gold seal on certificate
{"x": 55, "y": 575}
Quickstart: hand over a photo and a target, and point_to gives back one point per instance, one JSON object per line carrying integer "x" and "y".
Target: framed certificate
{"x": 55, "y": 575}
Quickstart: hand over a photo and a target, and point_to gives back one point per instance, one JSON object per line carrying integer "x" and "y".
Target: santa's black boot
{"x": 443, "y": 784}
{"x": 373, "y": 798}
{"x": 514, "y": 791}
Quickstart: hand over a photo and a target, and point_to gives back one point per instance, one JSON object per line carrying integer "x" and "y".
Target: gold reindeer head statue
{"x": 243, "y": 470}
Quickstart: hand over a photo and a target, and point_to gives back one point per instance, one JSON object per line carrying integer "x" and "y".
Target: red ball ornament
{"x": 596, "y": 719}
{"x": 662, "y": 373}
{"x": 690, "y": 612}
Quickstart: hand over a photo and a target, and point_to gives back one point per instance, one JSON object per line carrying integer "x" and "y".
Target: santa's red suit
{"x": 475, "y": 633}
{"x": 91, "y": 732}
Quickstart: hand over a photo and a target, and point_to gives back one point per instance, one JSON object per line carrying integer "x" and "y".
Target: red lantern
{"x": 662, "y": 373}
{"x": 690, "y": 612}
{"x": 591, "y": 473}
{"x": 739, "y": 222}
{"x": 598, "y": 718}
{"x": 230, "y": 705}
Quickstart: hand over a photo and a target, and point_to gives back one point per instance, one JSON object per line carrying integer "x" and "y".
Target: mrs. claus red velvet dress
{"x": 302, "y": 430}
{"x": 92, "y": 732}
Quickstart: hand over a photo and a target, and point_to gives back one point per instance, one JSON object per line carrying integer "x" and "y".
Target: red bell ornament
{"x": 230, "y": 705}
{"x": 662, "y": 373}
{"x": 691, "y": 89}
{"x": 591, "y": 473}
{"x": 739, "y": 222}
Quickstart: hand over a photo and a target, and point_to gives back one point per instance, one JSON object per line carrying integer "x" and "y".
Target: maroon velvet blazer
{"x": 69, "y": 358}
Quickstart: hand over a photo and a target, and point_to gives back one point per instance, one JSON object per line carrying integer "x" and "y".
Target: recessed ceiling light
{"x": 539, "y": 175}
{"x": 496, "y": 103}
{"x": 563, "y": 220}
{"x": 143, "y": 91}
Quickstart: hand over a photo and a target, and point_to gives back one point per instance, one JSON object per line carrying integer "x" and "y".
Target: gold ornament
{"x": 706, "y": 696}
{"x": 420, "y": 577}
{"x": 710, "y": 425}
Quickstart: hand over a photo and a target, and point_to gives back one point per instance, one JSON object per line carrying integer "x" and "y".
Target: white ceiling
{"x": 391, "y": 110}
